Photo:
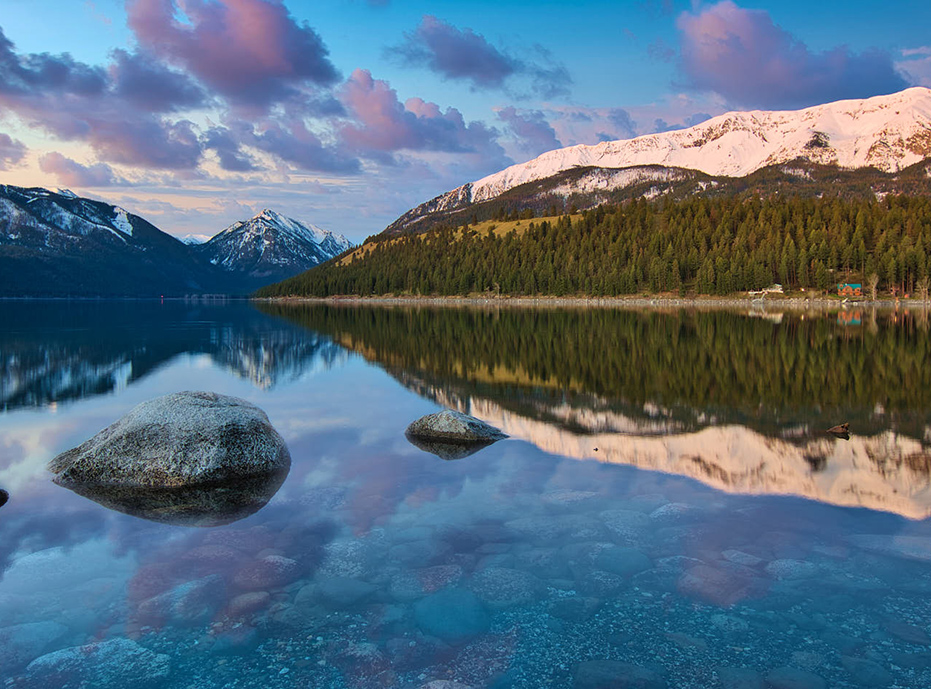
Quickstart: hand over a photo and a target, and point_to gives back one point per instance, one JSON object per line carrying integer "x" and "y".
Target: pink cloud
{"x": 534, "y": 135}
{"x": 11, "y": 151}
{"x": 382, "y": 124}
{"x": 744, "y": 56}
{"x": 253, "y": 52}
{"x": 71, "y": 173}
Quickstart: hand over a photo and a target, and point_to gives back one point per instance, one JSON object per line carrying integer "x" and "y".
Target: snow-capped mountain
{"x": 888, "y": 133}
{"x": 59, "y": 244}
{"x": 56, "y": 243}
{"x": 271, "y": 247}
{"x": 194, "y": 239}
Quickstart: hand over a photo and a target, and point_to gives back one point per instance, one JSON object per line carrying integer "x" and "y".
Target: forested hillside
{"x": 694, "y": 246}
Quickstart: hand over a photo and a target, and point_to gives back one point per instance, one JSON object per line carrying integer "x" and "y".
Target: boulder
{"x": 4, "y": 496}
{"x": 453, "y": 615}
{"x": 117, "y": 662}
{"x": 181, "y": 440}
{"x": 22, "y": 643}
{"x": 453, "y": 427}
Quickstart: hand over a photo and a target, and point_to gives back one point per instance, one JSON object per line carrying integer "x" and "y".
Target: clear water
{"x": 668, "y": 510}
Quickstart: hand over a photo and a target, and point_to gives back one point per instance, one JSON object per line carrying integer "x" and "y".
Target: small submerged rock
{"x": 189, "y": 458}
{"x": 4, "y": 496}
{"x": 451, "y": 434}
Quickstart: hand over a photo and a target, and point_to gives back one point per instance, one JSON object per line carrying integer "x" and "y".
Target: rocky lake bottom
{"x": 377, "y": 565}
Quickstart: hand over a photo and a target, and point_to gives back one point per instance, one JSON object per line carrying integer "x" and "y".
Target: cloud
{"x": 71, "y": 173}
{"x": 78, "y": 102}
{"x": 533, "y": 133}
{"x": 252, "y": 52}
{"x": 42, "y": 73}
{"x": 149, "y": 85}
{"x": 11, "y": 151}
{"x": 149, "y": 143}
{"x": 660, "y": 125}
{"x": 382, "y": 124}
{"x": 916, "y": 65}
{"x": 624, "y": 126}
{"x": 462, "y": 54}
{"x": 294, "y": 143}
{"x": 745, "y": 57}
{"x": 232, "y": 158}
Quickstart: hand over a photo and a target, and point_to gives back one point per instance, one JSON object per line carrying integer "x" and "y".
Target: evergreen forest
{"x": 696, "y": 246}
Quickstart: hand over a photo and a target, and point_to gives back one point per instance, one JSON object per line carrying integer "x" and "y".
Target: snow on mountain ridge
{"x": 268, "y": 219}
{"x": 271, "y": 245}
{"x": 887, "y": 132}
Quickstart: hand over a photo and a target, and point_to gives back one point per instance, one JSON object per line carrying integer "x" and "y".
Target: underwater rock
{"x": 4, "y": 496}
{"x": 793, "y": 678}
{"x": 453, "y": 615}
{"x": 502, "y": 587}
{"x": 22, "y": 643}
{"x": 270, "y": 572}
{"x": 179, "y": 440}
{"x": 604, "y": 674}
{"x": 343, "y": 592}
{"x": 453, "y": 427}
{"x": 622, "y": 561}
{"x": 117, "y": 662}
{"x": 189, "y": 603}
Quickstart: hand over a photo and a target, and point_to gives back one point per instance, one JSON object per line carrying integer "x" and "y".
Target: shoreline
{"x": 792, "y": 303}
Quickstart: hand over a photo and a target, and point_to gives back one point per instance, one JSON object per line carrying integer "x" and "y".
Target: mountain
{"x": 270, "y": 247}
{"x": 825, "y": 144}
{"x": 58, "y": 244}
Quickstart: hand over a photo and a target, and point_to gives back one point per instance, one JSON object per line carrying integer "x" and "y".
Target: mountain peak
{"x": 270, "y": 245}
{"x": 269, "y": 214}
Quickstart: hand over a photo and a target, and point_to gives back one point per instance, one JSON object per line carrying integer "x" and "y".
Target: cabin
{"x": 850, "y": 289}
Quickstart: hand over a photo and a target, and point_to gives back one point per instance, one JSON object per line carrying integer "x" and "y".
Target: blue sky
{"x": 197, "y": 113}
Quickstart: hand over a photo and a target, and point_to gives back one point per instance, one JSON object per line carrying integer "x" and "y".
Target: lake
{"x": 667, "y": 511}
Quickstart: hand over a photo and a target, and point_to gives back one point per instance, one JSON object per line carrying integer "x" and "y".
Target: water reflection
{"x": 741, "y": 404}
{"x": 203, "y": 506}
{"x": 377, "y": 565}
{"x": 52, "y": 352}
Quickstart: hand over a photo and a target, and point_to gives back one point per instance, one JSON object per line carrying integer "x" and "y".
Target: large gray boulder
{"x": 180, "y": 440}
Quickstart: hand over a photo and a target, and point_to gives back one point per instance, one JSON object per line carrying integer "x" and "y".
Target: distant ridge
{"x": 888, "y": 133}
{"x": 57, "y": 244}
{"x": 270, "y": 246}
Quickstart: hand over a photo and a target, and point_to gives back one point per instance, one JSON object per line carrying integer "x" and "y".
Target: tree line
{"x": 806, "y": 370}
{"x": 714, "y": 246}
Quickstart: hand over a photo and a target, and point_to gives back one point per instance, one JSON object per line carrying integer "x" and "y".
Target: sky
{"x": 346, "y": 113}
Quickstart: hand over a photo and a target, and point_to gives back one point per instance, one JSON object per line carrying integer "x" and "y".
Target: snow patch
{"x": 121, "y": 221}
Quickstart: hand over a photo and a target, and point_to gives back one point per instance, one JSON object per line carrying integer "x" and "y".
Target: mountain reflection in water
{"x": 741, "y": 404}
{"x": 52, "y": 353}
